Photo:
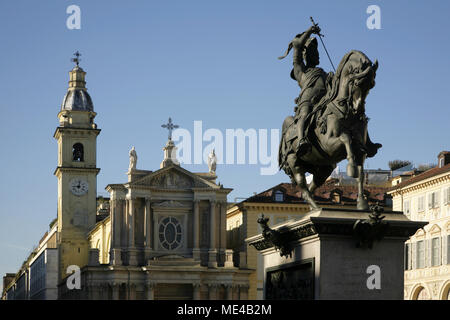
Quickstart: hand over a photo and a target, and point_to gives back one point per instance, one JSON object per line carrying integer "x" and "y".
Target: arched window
{"x": 279, "y": 196}
{"x": 78, "y": 152}
{"x": 421, "y": 294}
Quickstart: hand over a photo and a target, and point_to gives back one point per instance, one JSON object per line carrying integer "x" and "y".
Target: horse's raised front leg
{"x": 362, "y": 203}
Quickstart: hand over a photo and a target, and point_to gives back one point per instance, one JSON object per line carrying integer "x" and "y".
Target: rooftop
{"x": 325, "y": 194}
{"x": 423, "y": 176}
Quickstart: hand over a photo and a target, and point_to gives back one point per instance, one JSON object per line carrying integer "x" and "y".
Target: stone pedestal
{"x": 115, "y": 257}
{"x": 196, "y": 254}
{"x": 229, "y": 259}
{"x": 132, "y": 257}
{"x": 334, "y": 257}
{"x": 94, "y": 257}
{"x": 212, "y": 259}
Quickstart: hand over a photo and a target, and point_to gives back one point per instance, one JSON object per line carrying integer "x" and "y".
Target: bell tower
{"x": 76, "y": 171}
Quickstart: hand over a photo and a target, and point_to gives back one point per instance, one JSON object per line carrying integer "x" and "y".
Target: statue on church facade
{"x": 212, "y": 161}
{"x": 330, "y": 123}
{"x": 133, "y": 159}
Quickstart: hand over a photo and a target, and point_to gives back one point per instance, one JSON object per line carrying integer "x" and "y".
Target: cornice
{"x": 285, "y": 207}
{"x": 75, "y": 129}
{"x": 97, "y": 226}
{"x": 432, "y": 181}
{"x": 76, "y": 169}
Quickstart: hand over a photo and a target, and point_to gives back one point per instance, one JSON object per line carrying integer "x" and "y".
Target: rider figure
{"x": 311, "y": 80}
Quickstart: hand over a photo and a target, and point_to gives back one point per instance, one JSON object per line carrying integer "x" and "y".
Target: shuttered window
{"x": 448, "y": 249}
{"x": 435, "y": 252}
{"x": 447, "y": 195}
{"x": 407, "y": 207}
{"x": 420, "y": 254}
{"x": 433, "y": 200}
{"x": 421, "y": 204}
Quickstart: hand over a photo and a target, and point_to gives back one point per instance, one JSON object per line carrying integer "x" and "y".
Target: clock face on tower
{"x": 78, "y": 186}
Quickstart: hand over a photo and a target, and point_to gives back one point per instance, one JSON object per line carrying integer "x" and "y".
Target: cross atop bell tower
{"x": 77, "y": 58}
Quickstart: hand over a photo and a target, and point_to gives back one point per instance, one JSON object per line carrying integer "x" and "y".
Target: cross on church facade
{"x": 170, "y": 126}
{"x": 77, "y": 59}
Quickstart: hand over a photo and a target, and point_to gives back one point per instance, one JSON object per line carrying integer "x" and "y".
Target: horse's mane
{"x": 333, "y": 80}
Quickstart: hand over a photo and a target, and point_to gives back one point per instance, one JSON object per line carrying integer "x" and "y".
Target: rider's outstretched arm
{"x": 298, "y": 43}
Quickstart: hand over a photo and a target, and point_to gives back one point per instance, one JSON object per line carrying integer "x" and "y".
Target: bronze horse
{"x": 336, "y": 128}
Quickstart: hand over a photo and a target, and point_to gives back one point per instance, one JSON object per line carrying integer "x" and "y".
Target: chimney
{"x": 7, "y": 279}
{"x": 443, "y": 158}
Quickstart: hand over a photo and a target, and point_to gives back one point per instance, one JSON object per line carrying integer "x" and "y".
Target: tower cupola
{"x": 77, "y": 97}
{"x": 77, "y": 108}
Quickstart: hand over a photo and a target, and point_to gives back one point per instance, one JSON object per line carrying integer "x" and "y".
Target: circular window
{"x": 170, "y": 233}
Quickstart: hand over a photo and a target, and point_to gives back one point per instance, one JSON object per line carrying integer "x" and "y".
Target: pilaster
{"x": 150, "y": 290}
{"x": 196, "y": 287}
{"x": 212, "y": 253}
{"x": 115, "y": 287}
{"x": 148, "y": 216}
{"x": 243, "y": 291}
{"x": 132, "y": 252}
{"x": 212, "y": 291}
{"x": 196, "y": 233}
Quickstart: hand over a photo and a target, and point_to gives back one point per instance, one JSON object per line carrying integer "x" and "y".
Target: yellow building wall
{"x": 434, "y": 280}
{"x": 100, "y": 238}
{"x": 246, "y": 219}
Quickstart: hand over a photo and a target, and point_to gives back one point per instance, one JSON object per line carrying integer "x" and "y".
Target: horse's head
{"x": 357, "y": 76}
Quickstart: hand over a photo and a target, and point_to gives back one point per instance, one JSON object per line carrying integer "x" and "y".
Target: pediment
{"x": 435, "y": 229}
{"x": 420, "y": 233}
{"x": 174, "y": 177}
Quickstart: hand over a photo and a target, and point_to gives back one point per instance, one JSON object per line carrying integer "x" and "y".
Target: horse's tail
{"x": 283, "y": 148}
{"x": 282, "y": 151}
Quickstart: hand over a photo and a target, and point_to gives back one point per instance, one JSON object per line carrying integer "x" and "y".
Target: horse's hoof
{"x": 362, "y": 204}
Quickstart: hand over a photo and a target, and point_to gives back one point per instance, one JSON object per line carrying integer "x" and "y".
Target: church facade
{"x": 161, "y": 235}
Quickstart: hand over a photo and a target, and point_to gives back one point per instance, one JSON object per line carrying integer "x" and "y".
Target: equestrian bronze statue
{"x": 330, "y": 123}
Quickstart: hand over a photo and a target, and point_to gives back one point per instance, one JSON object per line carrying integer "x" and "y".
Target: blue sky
{"x": 214, "y": 61}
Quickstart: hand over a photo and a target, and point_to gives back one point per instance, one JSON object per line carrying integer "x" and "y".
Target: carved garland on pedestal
{"x": 369, "y": 230}
{"x": 281, "y": 240}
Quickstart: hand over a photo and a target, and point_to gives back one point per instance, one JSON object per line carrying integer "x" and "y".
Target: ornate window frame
{"x": 164, "y": 224}
{"x": 179, "y": 211}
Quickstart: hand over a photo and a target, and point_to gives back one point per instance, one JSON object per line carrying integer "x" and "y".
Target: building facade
{"x": 37, "y": 279}
{"x": 160, "y": 235}
{"x": 426, "y": 197}
{"x": 165, "y": 238}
